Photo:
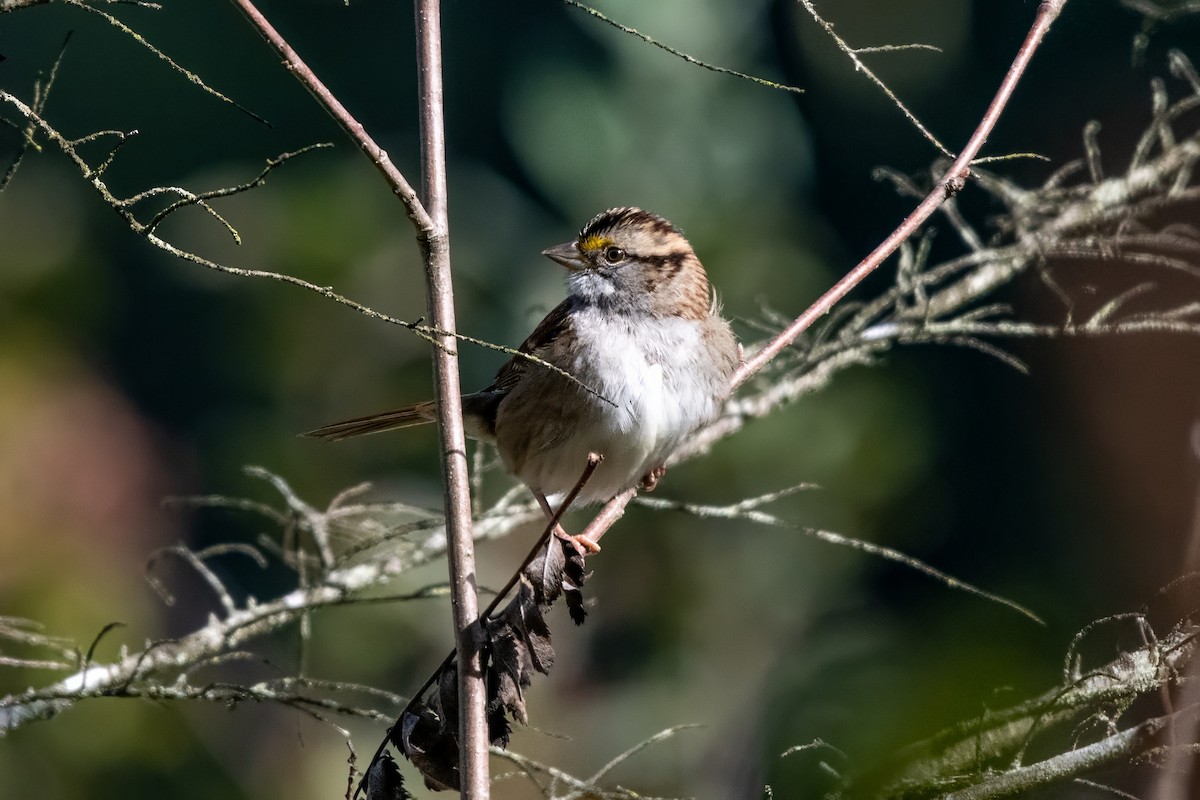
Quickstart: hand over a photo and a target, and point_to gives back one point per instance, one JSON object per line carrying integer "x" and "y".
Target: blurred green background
{"x": 127, "y": 376}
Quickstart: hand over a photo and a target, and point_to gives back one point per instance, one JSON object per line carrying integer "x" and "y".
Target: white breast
{"x": 650, "y": 373}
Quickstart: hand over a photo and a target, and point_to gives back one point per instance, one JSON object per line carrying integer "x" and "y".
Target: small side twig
{"x": 679, "y": 53}
{"x": 859, "y": 66}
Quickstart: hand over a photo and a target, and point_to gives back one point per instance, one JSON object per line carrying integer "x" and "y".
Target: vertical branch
{"x": 472, "y": 727}
{"x": 432, "y": 223}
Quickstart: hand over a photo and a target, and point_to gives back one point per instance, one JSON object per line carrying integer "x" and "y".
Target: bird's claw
{"x": 583, "y": 545}
{"x": 651, "y": 478}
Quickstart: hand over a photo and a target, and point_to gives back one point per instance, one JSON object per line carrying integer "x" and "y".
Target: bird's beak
{"x": 566, "y": 254}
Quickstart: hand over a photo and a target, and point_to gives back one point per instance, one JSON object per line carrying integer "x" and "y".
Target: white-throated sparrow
{"x": 641, "y": 327}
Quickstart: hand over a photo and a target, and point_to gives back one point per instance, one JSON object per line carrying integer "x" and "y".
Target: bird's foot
{"x": 583, "y": 545}
{"x": 651, "y": 478}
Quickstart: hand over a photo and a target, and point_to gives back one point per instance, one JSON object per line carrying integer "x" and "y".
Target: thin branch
{"x": 196, "y": 562}
{"x": 949, "y": 764}
{"x": 748, "y": 510}
{"x": 137, "y": 37}
{"x": 16, "y": 5}
{"x": 679, "y": 53}
{"x": 859, "y": 66}
{"x": 616, "y": 761}
{"x": 123, "y": 208}
{"x": 586, "y": 788}
{"x": 1121, "y": 746}
{"x": 895, "y": 48}
{"x": 218, "y": 636}
{"x": 41, "y": 95}
{"x": 189, "y": 199}
{"x": 950, "y": 184}
{"x": 421, "y": 218}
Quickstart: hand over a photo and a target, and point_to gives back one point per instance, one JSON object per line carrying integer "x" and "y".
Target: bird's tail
{"x": 419, "y": 414}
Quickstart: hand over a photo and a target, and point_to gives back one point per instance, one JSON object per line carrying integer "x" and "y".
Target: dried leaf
{"x": 518, "y": 645}
{"x": 384, "y": 781}
{"x": 429, "y": 741}
{"x": 544, "y": 573}
{"x": 572, "y": 588}
{"x": 507, "y": 677}
{"x": 537, "y": 638}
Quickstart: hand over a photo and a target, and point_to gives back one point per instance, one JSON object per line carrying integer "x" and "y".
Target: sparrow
{"x": 640, "y": 331}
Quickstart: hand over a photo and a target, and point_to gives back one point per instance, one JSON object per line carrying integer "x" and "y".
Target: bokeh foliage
{"x": 126, "y": 376}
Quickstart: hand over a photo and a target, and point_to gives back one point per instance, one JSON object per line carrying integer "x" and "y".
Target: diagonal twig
{"x": 679, "y": 53}
{"x": 353, "y": 128}
{"x": 951, "y": 183}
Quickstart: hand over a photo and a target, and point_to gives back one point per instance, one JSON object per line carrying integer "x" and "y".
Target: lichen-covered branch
{"x": 402, "y": 537}
{"x": 988, "y": 757}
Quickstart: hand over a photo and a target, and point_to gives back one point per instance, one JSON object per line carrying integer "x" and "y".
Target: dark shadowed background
{"x": 127, "y": 376}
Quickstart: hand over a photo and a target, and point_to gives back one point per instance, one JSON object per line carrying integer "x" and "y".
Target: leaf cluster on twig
{"x": 516, "y": 645}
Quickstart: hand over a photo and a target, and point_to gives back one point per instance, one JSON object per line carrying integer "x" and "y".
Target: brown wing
{"x": 552, "y": 326}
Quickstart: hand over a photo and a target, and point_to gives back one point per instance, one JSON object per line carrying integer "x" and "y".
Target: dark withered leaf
{"x": 447, "y": 695}
{"x": 545, "y": 572}
{"x": 537, "y": 638}
{"x": 429, "y": 741}
{"x": 517, "y": 644}
{"x": 384, "y": 781}
{"x": 499, "y": 728}
{"x": 508, "y": 676}
{"x": 573, "y": 578}
{"x": 576, "y": 608}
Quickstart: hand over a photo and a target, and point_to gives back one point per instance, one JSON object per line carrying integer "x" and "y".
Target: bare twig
{"x": 124, "y": 207}
{"x": 749, "y": 510}
{"x": 1123, "y": 745}
{"x": 859, "y": 66}
{"x": 41, "y": 92}
{"x": 192, "y": 77}
{"x": 612, "y": 511}
{"x": 949, "y": 185}
{"x": 15, "y": 5}
{"x": 416, "y": 211}
{"x": 564, "y": 786}
{"x": 679, "y": 53}
{"x": 948, "y": 764}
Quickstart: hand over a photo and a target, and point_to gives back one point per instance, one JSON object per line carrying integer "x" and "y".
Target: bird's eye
{"x": 614, "y": 255}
